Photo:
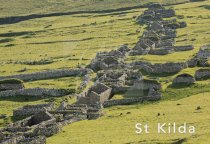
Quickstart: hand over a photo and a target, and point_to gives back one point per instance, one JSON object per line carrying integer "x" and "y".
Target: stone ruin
{"x": 204, "y": 52}
{"x": 202, "y": 58}
{"x": 11, "y": 84}
{"x": 160, "y": 68}
{"x": 97, "y": 94}
{"x": 44, "y": 120}
{"x": 48, "y": 74}
{"x": 29, "y": 110}
{"x": 36, "y": 92}
{"x": 159, "y": 38}
{"x": 185, "y": 79}
{"x": 155, "y": 12}
{"x": 110, "y": 60}
{"x": 202, "y": 74}
{"x": 31, "y": 130}
{"x": 119, "y": 78}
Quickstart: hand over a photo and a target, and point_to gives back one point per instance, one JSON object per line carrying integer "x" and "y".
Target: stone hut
{"x": 40, "y": 124}
{"x": 124, "y": 49}
{"x": 147, "y": 84}
{"x": 202, "y": 74}
{"x": 11, "y": 84}
{"x": 95, "y": 95}
{"x": 160, "y": 68}
{"x": 113, "y": 78}
{"x": 30, "y": 110}
{"x": 153, "y": 36}
{"x": 106, "y": 63}
{"x": 162, "y": 51}
{"x": 155, "y": 6}
{"x": 204, "y": 52}
{"x": 184, "y": 79}
{"x": 143, "y": 47}
{"x": 156, "y": 26}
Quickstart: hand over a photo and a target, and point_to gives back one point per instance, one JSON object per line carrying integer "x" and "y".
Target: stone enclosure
{"x": 113, "y": 76}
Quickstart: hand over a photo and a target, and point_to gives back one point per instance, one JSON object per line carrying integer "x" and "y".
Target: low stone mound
{"x": 184, "y": 79}
{"x": 11, "y": 84}
{"x": 202, "y": 74}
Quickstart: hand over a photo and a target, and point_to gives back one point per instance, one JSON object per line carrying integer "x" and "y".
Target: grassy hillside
{"x": 27, "y": 7}
{"x": 70, "y": 41}
{"x": 119, "y": 128}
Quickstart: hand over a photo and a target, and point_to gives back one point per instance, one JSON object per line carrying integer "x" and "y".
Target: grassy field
{"x": 27, "y": 7}
{"x": 70, "y": 41}
{"x": 119, "y": 128}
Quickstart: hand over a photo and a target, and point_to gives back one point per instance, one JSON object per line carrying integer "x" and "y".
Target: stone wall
{"x": 38, "y": 92}
{"x": 162, "y": 51}
{"x": 129, "y": 101}
{"x": 183, "y": 48}
{"x": 48, "y": 74}
{"x": 30, "y": 110}
{"x": 204, "y": 52}
{"x": 202, "y": 74}
{"x": 98, "y": 93}
{"x": 4, "y": 87}
{"x": 166, "y": 68}
{"x": 184, "y": 79}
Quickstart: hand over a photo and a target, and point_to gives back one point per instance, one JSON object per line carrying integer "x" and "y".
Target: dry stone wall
{"x": 38, "y": 92}
{"x": 48, "y": 74}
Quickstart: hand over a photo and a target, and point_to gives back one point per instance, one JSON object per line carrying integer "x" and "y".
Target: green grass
{"x": 26, "y": 7}
{"x": 73, "y": 40}
{"x": 60, "y": 83}
{"x": 117, "y": 129}
{"x": 7, "y": 105}
{"x": 69, "y": 42}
